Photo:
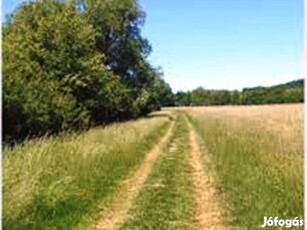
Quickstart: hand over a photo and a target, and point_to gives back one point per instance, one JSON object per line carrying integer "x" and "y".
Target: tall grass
{"x": 257, "y": 153}
{"x": 53, "y": 183}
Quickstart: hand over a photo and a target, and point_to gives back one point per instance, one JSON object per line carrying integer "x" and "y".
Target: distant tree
{"x": 235, "y": 98}
{"x": 183, "y": 98}
{"x": 199, "y": 96}
{"x": 291, "y": 92}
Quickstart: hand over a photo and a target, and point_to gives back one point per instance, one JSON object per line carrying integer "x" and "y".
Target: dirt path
{"x": 207, "y": 213}
{"x": 117, "y": 212}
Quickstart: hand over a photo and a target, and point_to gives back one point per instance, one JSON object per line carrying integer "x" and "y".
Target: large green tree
{"x": 42, "y": 68}
{"x": 70, "y": 64}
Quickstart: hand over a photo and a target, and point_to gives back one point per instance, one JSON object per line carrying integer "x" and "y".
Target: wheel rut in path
{"x": 117, "y": 212}
{"x": 207, "y": 212}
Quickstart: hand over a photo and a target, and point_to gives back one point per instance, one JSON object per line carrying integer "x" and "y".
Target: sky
{"x": 222, "y": 44}
{"x": 8, "y": 6}
{"x": 225, "y": 44}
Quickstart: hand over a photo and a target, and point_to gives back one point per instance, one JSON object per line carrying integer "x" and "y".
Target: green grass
{"x": 259, "y": 171}
{"x": 64, "y": 182}
{"x": 166, "y": 200}
{"x": 56, "y": 183}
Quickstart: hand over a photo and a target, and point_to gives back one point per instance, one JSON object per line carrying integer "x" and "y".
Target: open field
{"x": 258, "y": 159}
{"x": 182, "y": 168}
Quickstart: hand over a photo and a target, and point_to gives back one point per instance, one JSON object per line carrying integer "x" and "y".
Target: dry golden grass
{"x": 258, "y": 156}
{"x": 283, "y": 122}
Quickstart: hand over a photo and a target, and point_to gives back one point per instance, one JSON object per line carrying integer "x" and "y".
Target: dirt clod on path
{"x": 117, "y": 212}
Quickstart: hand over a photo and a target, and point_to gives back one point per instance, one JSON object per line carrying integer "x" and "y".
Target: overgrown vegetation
{"x": 55, "y": 183}
{"x": 257, "y": 153}
{"x": 76, "y": 63}
{"x": 291, "y": 92}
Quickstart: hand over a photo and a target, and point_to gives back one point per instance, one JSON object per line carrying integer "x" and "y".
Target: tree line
{"x": 72, "y": 64}
{"x": 291, "y": 92}
{"x": 76, "y": 63}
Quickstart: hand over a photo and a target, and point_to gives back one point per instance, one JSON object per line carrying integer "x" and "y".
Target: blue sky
{"x": 226, "y": 43}
{"x": 222, "y": 44}
{"x": 8, "y": 6}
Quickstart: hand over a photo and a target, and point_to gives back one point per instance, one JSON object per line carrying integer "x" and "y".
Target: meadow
{"x": 258, "y": 159}
{"x": 52, "y": 183}
{"x": 222, "y": 167}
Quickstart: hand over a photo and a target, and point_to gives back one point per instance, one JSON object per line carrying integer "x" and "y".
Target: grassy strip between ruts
{"x": 252, "y": 187}
{"x": 53, "y": 183}
{"x": 166, "y": 200}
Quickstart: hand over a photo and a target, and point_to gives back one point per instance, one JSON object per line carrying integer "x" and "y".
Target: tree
{"x": 183, "y": 98}
{"x": 38, "y": 59}
{"x": 71, "y": 64}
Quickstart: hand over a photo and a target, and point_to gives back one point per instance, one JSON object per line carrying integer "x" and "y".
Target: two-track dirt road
{"x": 207, "y": 212}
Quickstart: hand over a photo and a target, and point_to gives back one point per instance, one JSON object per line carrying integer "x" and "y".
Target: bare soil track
{"x": 117, "y": 212}
{"x": 207, "y": 213}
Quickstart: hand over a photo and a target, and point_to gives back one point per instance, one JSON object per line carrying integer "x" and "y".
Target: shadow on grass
{"x": 160, "y": 114}
{"x": 11, "y": 142}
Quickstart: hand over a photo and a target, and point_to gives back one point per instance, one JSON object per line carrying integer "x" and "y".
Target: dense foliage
{"x": 71, "y": 64}
{"x": 291, "y": 92}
